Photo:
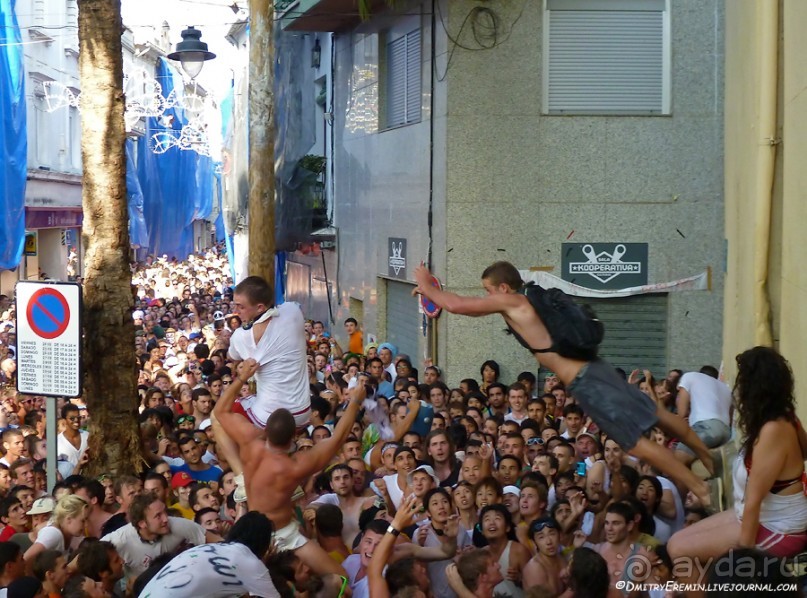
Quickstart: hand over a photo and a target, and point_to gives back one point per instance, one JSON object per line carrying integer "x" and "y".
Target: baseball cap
{"x": 180, "y": 480}
{"x": 42, "y": 505}
{"x": 511, "y": 490}
{"x": 138, "y": 314}
{"x": 427, "y": 469}
{"x": 194, "y": 335}
{"x": 589, "y": 434}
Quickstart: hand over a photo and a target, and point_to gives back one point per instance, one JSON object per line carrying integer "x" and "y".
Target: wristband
{"x": 393, "y": 531}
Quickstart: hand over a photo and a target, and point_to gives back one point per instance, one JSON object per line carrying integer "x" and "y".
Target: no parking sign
{"x": 430, "y": 308}
{"x": 49, "y": 339}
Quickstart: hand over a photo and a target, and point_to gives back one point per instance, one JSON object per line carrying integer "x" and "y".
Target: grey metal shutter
{"x": 404, "y": 80}
{"x": 396, "y": 96}
{"x": 605, "y": 57}
{"x": 298, "y": 285}
{"x": 635, "y": 331}
{"x": 403, "y": 319}
{"x": 413, "y": 81}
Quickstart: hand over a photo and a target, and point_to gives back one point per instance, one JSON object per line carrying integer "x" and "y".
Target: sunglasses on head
{"x": 535, "y": 440}
{"x": 186, "y": 418}
{"x": 542, "y": 524}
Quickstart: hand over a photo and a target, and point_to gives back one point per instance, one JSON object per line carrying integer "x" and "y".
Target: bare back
{"x": 272, "y": 478}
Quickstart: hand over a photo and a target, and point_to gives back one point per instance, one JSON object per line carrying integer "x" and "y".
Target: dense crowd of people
{"x": 286, "y": 457}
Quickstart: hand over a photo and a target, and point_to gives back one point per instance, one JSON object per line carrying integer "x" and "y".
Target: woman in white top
{"x": 68, "y": 522}
{"x": 769, "y": 480}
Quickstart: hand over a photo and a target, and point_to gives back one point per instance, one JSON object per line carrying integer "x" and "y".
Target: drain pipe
{"x": 768, "y": 28}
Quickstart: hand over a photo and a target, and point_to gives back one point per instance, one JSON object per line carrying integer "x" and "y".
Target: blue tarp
{"x": 178, "y": 184}
{"x": 138, "y": 233}
{"x": 13, "y": 139}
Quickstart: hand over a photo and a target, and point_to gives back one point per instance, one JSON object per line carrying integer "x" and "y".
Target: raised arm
{"x": 318, "y": 457}
{"x": 458, "y": 304}
{"x": 375, "y": 570}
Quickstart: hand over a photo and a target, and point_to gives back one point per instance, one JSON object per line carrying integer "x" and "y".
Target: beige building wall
{"x": 766, "y": 182}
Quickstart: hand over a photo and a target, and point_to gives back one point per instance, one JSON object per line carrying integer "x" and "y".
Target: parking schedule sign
{"x": 49, "y": 339}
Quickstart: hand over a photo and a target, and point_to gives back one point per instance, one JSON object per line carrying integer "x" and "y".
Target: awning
{"x": 698, "y": 282}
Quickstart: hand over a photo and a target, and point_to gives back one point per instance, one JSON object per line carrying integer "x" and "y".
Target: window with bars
{"x": 607, "y": 57}
{"x": 403, "y": 98}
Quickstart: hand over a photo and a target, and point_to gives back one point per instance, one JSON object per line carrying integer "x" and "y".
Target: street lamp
{"x": 192, "y": 52}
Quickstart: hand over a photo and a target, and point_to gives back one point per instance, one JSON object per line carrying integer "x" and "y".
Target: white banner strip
{"x": 699, "y": 282}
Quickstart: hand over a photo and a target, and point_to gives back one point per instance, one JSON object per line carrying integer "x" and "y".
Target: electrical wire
{"x": 485, "y": 26}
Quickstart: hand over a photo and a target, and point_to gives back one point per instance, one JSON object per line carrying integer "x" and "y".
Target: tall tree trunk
{"x": 111, "y": 377}
{"x": 262, "y": 140}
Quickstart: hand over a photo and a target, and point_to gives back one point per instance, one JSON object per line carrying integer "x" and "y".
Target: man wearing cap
{"x": 341, "y": 478}
{"x": 39, "y": 513}
{"x": 180, "y": 484}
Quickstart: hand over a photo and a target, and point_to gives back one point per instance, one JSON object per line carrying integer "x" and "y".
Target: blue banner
{"x": 13, "y": 139}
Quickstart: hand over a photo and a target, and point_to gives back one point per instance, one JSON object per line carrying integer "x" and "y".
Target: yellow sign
{"x": 30, "y": 244}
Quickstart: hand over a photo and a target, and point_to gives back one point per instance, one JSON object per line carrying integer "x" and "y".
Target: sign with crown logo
{"x": 605, "y": 265}
{"x": 396, "y": 255}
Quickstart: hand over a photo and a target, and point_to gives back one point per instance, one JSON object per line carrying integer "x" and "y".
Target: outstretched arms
{"x": 458, "y": 304}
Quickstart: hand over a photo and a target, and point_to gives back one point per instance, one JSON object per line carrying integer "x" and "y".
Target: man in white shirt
{"x": 707, "y": 403}
{"x": 72, "y": 443}
{"x": 274, "y": 337}
{"x": 13, "y": 446}
{"x": 232, "y": 568}
{"x": 151, "y": 533}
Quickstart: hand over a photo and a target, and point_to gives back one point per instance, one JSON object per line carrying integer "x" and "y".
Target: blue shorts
{"x": 713, "y": 432}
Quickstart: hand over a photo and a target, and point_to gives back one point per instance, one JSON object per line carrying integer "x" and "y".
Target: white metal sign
{"x": 49, "y": 339}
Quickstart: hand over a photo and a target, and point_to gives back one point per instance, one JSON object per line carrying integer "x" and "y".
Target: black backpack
{"x": 575, "y": 330}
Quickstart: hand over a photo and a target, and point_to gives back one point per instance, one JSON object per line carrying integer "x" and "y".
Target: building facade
{"x": 468, "y": 132}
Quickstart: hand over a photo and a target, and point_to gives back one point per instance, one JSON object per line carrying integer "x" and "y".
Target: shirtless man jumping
{"x": 620, "y": 410}
{"x": 272, "y": 473}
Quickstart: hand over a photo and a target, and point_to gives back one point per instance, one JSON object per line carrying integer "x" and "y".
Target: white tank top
{"x": 506, "y": 587}
{"x": 779, "y": 514}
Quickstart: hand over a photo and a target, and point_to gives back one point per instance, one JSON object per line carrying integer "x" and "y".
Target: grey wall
{"x": 511, "y": 183}
{"x": 382, "y": 180}
{"x": 519, "y": 182}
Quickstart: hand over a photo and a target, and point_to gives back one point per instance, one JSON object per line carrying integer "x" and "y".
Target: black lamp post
{"x": 192, "y": 52}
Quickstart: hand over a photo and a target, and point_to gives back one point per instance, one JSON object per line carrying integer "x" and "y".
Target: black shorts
{"x": 619, "y": 409}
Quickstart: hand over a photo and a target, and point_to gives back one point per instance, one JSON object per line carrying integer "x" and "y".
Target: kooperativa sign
{"x": 605, "y": 265}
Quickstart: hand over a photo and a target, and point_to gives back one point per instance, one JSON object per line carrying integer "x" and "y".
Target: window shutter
{"x": 605, "y": 60}
{"x": 413, "y": 81}
{"x": 396, "y": 93}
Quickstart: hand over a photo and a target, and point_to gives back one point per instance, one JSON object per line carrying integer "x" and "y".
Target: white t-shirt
{"x": 70, "y": 452}
{"x": 215, "y": 571}
{"x": 709, "y": 398}
{"x": 137, "y": 554}
{"x": 283, "y": 373}
{"x": 352, "y": 564}
{"x": 51, "y": 538}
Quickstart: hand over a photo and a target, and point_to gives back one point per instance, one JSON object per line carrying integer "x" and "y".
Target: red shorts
{"x": 301, "y": 418}
{"x": 781, "y": 545}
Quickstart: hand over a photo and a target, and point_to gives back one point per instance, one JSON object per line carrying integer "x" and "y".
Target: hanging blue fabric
{"x": 280, "y": 277}
{"x": 177, "y": 184}
{"x": 138, "y": 234}
{"x": 13, "y": 139}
